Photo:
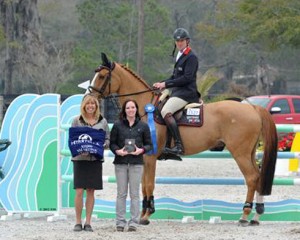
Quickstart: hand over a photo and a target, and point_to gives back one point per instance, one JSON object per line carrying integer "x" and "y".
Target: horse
{"x": 239, "y": 126}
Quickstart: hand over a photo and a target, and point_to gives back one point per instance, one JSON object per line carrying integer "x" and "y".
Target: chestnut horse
{"x": 238, "y": 125}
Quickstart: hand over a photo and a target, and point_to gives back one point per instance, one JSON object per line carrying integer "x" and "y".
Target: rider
{"x": 183, "y": 86}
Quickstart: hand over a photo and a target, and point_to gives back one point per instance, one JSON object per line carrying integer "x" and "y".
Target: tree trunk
{"x": 140, "y": 47}
{"x": 21, "y": 25}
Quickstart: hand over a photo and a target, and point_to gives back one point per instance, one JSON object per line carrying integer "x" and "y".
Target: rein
{"x": 112, "y": 97}
{"x": 107, "y": 81}
{"x": 130, "y": 94}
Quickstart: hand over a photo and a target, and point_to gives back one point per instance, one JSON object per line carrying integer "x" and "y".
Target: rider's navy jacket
{"x": 183, "y": 79}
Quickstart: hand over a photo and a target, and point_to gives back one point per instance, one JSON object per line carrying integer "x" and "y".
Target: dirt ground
{"x": 38, "y": 227}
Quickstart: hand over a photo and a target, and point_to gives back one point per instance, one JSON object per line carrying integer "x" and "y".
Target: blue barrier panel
{"x": 31, "y": 162}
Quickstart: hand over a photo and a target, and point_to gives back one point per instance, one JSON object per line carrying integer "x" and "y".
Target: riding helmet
{"x": 181, "y": 33}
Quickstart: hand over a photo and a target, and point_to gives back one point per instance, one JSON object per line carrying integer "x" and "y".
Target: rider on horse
{"x": 183, "y": 87}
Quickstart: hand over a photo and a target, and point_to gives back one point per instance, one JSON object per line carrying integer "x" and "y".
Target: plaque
{"x": 130, "y": 145}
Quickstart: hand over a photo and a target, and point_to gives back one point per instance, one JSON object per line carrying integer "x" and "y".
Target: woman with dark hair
{"x": 87, "y": 163}
{"x": 129, "y": 139}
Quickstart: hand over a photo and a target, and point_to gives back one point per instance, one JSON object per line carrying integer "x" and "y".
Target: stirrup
{"x": 175, "y": 150}
{"x": 168, "y": 156}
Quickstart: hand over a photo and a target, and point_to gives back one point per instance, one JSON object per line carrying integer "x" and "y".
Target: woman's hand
{"x": 122, "y": 152}
{"x": 106, "y": 144}
{"x": 138, "y": 151}
{"x": 84, "y": 154}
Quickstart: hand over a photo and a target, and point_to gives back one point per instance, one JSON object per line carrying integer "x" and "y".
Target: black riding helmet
{"x": 181, "y": 33}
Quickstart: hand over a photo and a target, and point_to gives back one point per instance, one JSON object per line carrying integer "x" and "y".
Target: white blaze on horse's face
{"x": 93, "y": 82}
{"x": 102, "y": 77}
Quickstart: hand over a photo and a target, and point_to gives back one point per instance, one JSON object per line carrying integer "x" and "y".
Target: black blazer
{"x": 183, "y": 79}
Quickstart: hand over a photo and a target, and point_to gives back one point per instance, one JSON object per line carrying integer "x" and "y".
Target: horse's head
{"x": 114, "y": 78}
{"x": 104, "y": 82}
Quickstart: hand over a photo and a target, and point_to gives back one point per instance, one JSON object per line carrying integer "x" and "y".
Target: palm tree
{"x": 207, "y": 80}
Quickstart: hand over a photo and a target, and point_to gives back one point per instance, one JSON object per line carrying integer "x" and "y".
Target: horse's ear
{"x": 105, "y": 61}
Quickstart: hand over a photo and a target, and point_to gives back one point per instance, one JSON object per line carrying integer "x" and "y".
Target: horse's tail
{"x": 270, "y": 142}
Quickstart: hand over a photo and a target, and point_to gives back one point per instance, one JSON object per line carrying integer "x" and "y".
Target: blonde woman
{"x": 87, "y": 162}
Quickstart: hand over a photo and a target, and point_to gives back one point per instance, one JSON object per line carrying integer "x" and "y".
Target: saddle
{"x": 190, "y": 115}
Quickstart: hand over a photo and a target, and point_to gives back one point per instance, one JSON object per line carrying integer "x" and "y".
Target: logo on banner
{"x": 85, "y": 137}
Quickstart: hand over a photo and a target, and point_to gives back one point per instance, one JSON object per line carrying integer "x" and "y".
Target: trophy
{"x": 130, "y": 145}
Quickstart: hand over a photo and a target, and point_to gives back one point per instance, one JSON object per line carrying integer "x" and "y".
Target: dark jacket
{"x": 183, "y": 79}
{"x": 139, "y": 131}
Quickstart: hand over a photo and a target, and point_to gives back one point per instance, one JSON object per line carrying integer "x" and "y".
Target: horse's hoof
{"x": 143, "y": 213}
{"x": 254, "y": 223}
{"x": 144, "y": 222}
{"x": 243, "y": 223}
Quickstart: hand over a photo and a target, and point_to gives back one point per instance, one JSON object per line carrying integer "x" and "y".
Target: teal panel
{"x": 48, "y": 186}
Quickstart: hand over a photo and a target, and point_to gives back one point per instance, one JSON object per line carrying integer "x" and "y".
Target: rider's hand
{"x": 159, "y": 85}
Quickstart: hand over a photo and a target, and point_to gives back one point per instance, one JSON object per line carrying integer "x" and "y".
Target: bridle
{"x": 113, "y": 97}
{"x": 107, "y": 81}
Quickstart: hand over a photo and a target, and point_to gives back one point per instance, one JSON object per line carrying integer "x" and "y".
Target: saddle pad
{"x": 187, "y": 117}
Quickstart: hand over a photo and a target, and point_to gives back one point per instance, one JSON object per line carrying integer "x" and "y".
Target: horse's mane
{"x": 135, "y": 75}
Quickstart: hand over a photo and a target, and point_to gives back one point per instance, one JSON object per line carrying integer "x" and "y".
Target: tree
{"x": 27, "y": 56}
{"x": 49, "y": 69}
{"x": 112, "y": 27}
{"x": 269, "y": 24}
{"x": 248, "y": 31}
{"x": 140, "y": 40}
{"x": 2, "y": 36}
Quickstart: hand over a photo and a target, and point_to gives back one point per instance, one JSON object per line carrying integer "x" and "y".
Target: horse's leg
{"x": 148, "y": 189}
{"x": 250, "y": 171}
{"x": 144, "y": 192}
{"x": 251, "y": 182}
{"x": 260, "y": 208}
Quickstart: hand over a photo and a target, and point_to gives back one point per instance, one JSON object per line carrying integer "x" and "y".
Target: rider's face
{"x": 181, "y": 44}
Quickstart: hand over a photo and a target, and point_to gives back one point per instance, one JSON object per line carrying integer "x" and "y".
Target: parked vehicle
{"x": 285, "y": 109}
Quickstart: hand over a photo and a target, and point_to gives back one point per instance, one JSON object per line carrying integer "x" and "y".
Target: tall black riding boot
{"x": 172, "y": 126}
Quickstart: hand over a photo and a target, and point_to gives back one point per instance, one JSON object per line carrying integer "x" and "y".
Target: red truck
{"x": 285, "y": 109}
